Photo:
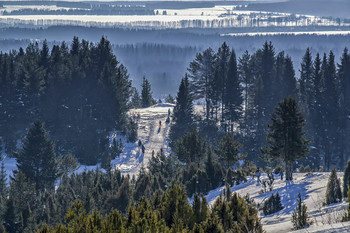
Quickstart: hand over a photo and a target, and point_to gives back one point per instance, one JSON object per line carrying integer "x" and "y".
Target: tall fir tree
{"x": 37, "y": 158}
{"x": 306, "y": 86}
{"x": 333, "y": 192}
{"x": 229, "y": 150}
{"x": 233, "y": 93}
{"x": 183, "y": 111}
{"x": 146, "y": 94}
{"x": 286, "y": 137}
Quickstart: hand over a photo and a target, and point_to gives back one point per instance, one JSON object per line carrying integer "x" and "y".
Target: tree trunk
{"x": 289, "y": 171}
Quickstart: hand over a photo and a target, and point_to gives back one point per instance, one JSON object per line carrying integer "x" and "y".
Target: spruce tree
{"x": 146, "y": 94}
{"x": 333, "y": 192}
{"x": 305, "y": 82}
{"x": 272, "y": 204}
{"x": 183, "y": 111}
{"x": 286, "y": 136}
{"x": 228, "y": 150}
{"x": 37, "y": 158}
{"x": 300, "y": 218}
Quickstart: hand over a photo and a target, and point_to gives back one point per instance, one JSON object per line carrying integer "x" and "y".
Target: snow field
{"x": 312, "y": 189}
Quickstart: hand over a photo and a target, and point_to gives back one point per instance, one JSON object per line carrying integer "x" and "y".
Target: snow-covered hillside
{"x": 151, "y": 135}
{"x": 312, "y": 189}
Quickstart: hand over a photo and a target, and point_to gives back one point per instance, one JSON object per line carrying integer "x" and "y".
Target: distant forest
{"x": 134, "y": 47}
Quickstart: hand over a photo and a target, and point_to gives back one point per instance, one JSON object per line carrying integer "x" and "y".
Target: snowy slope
{"x": 151, "y": 135}
{"x": 312, "y": 189}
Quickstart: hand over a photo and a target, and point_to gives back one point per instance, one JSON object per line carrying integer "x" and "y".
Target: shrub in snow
{"x": 272, "y": 204}
{"x": 346, "y": 180}
{"x": 278, "y": 170}
{"x": 346, "y": 216}
{"x": 333, "y": 193}
{"x": 300, "y": 218}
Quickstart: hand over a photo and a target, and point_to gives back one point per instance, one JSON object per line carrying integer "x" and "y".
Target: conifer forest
{"x": 182, "y": 117}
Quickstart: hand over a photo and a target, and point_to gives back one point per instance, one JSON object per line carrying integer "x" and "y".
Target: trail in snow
{"x": 151, "y": 135}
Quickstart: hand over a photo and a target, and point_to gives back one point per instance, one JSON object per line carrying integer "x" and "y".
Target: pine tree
{"x": 228, "y": 150}
{"x": 221, "y": 82}
{"x": 286, "y": 137}
{"x": 201, "y": 74}
{"x": 146, "y": 94}
{"x": 37, "y": 158}
{"x": 300, "y": 218}
{"x": 346, "y": 179}
{"x": 183, "y": 111}
{"x": 333, "y": 192}
{"x": 233, "y": 93}
{"x": 247, "y": 79}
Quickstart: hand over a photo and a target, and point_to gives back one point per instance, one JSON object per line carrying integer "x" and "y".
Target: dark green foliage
{"x": 37, "y": 158}
{"x": 135, "y": 99}
{"x": 183, "y": 112}
{"x": 146, "y": 94}
{"x": 286, "y": 136}
{"x": 300, "y": 218}
{"x": 228, "y": 150}
{"x": 81, "y": 93}
{"x": 66, "y": 164}
{"x": 191, "y": 147}
{"x": 272, "y": 204}
{"x": 346, "y": 179}
{"x": 237, "y": 215}
{"x": 233, "y": 94}
{"x": 170, "y": 99}
{"x": 333, "y": 192}
{"x": 173, "y": 214}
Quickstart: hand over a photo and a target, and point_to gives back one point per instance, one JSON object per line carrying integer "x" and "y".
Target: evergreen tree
{"x": 201, "y": 74}
{"x": 300, "y": 218}
{"x": 233, "y": 93}
{"x": 136, "y": 99}
{"x": 220, "y": 82}
{"x": 306, "y": 82}
{"x": 333, "y": 192}
{"x": 183, "y": 111}
{"x": 346, "y": 179}
{"x": 37, "y": 158}
{"x": 247, "y": 79}
{"x": 343, "y": 76}
{"x": 146, "y": 94}
{"x": 228, "y": 150}
{"x": 286, "y": 137}
{"x": 191, "y": 147}
{"x": 272, "y": 204}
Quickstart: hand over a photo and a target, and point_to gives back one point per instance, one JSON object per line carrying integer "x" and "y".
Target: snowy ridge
{"x": 312, "y": 189}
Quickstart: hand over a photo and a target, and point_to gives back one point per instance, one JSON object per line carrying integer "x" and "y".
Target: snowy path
{"x": 151, "y": 135}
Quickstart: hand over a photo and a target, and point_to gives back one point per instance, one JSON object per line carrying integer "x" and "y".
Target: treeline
{"x": 239, "y": 95}
{"x": 112, "y": 10}
{"x": 152, "y": 202}
{"x": 81, "y": 92}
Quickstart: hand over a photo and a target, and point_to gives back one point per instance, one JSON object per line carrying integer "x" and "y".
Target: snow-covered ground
{"x": 151, "y": 135}
{"x": 312, "y": 189}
